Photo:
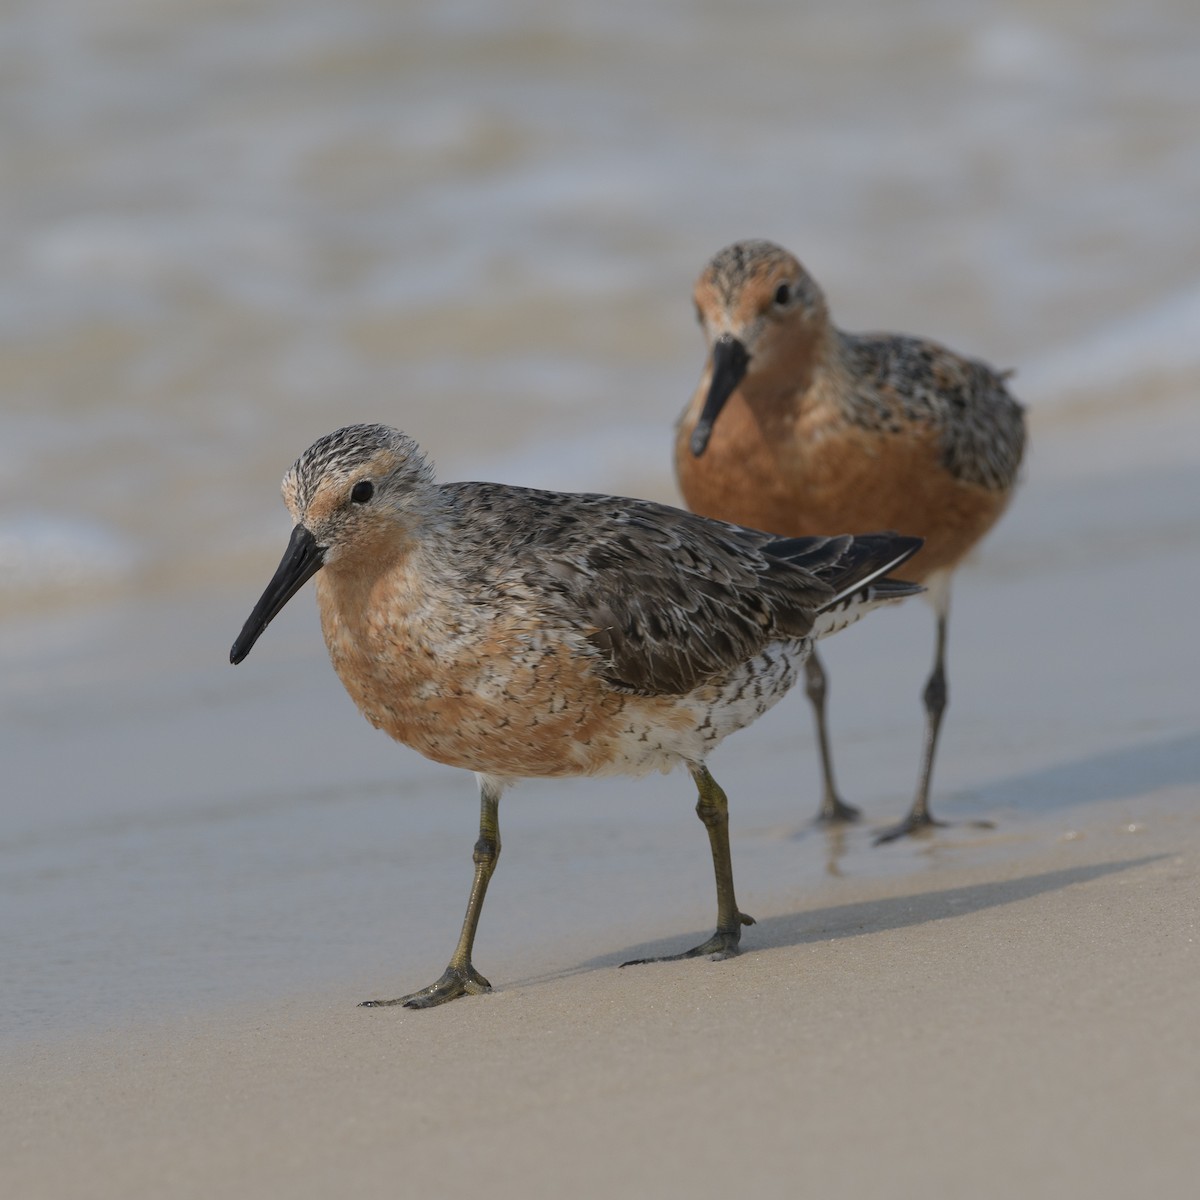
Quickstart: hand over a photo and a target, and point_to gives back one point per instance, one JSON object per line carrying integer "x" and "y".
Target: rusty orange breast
{"x": 496, "y": 692}
{"x": 809, "y": 471}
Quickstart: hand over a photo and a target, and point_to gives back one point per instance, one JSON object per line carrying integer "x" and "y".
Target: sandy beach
{"x": 228, "y": 232}
{"x": 980, "y": 1012}
{"x": 1022, "y": 1026}
{"x": 1015, "y": 1027}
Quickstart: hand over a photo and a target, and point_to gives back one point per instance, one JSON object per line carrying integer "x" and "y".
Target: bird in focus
{"x": 800, "y": 428}
{"x": 523, "y": 633}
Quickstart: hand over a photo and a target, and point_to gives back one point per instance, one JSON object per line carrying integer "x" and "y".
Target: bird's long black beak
{"x": 302, "y": 559}
{"x": 729, "y": 363}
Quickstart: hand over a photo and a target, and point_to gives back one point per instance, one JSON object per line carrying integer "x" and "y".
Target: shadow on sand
{"x": 874, "y": 916}
{"x": 1113, "y": 775}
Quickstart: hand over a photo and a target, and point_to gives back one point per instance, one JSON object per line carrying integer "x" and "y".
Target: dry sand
{"x": 1007, "y": 1012}
{"x": 1027, "y": 1028}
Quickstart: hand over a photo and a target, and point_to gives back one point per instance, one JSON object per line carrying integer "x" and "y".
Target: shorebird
{"x": 525, "y": 633}
{"x": 800, "y": 428}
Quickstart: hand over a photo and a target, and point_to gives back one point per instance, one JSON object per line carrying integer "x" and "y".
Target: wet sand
{"x": 1025, "y": 1026}
{"x": 982, "y": 1012}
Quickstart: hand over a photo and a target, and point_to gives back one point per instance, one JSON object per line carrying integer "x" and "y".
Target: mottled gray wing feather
{"x": 671, "y": 600}
{"x": 980, "y": 426}
{"x": 668, "y": 599}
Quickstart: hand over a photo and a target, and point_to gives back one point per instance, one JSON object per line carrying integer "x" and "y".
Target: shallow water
{"x": 228, "y": 229}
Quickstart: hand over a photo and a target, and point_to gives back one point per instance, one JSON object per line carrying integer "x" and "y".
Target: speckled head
{"x": 760, "y": 310}
{"x": 353, "y": 492}
{"x": 354, "y": 479}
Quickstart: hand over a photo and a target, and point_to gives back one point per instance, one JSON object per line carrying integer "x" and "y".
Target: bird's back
{"x": 668, "y": 598}
{"x": 899, "y": 382}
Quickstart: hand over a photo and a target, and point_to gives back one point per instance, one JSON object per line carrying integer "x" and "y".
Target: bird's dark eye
{"x": 362, "y": 491}
{"x": 783, "y": 294}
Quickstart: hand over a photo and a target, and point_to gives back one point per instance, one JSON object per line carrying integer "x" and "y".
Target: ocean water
{"x": 228, "y": 228}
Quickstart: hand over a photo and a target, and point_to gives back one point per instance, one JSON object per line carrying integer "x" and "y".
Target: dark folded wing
{"x": 670, "y": 599}
{"x": 667, "y": 599}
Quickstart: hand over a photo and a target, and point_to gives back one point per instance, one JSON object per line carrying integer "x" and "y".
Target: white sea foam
{"x": 1151, "y": 346}
{"x": 41, "y": 553}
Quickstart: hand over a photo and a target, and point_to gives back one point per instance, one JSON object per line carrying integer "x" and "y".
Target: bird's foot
{"x": 914, "y": 824}
{"x": 722, "y": 944}
{"x": 455, "y": 982}
{"x": 835, "y": 811}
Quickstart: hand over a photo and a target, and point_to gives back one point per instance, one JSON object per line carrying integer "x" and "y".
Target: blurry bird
{"x": 800, "y": 428}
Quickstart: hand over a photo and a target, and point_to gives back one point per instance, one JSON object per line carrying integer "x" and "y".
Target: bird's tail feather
{"x": 856, "y": 567}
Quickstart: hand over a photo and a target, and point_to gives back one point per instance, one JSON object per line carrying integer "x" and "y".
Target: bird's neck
{"x": 806, "y": 380}
{"x": 350, "y": 586}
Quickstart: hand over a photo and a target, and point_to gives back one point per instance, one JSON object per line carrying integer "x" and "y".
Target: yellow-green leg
{"x": 713, "y": 809}
{"x": 460, "y": 978}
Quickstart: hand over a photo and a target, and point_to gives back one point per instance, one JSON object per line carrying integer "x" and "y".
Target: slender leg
{"x": 460, "y": 978}
{"x": 713, "y": 809}
{"x": 833, "y": 808}
{"x": 936, "y": 697}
